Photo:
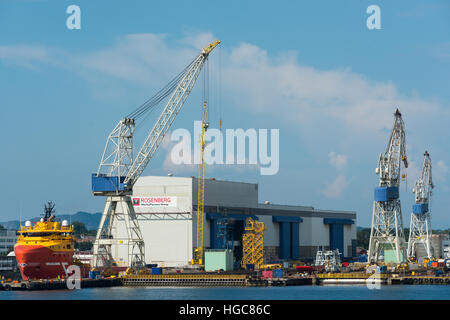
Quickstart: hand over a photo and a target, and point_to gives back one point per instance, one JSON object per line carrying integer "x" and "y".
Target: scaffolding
{"x": 253, "y": 243}
{"x": 329, "y": 259}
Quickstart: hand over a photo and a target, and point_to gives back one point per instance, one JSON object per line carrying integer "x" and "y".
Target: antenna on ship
{"x": 48, "y": 209}
{"x": 20, "y": 215}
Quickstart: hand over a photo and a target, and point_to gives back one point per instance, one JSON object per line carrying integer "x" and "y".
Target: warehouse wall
{"x": 181, "y": 188}
{"x": 167, "y": 242}
{"x": 272, "y": 233}
{"x": 227, "y": 193}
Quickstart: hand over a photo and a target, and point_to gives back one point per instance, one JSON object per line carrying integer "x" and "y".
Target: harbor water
{"x": 325, "y": 292}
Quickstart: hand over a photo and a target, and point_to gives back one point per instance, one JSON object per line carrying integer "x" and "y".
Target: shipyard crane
{"x": 118, "y": 170}
{"x": 387, "y": 226}
{"x": 420, "y": 228}
{"x": 198, "y": 252}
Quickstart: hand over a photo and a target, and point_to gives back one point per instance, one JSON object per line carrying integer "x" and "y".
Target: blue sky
{"x": 311, "y": 69}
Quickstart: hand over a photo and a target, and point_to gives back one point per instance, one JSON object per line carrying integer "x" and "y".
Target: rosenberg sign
{"x": 154, "y": 201}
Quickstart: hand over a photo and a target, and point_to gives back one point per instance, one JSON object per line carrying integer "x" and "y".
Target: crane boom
{"x": 167, "y": 116}
{"x": 389, "y": 164}
{"x": 424, "y": 184}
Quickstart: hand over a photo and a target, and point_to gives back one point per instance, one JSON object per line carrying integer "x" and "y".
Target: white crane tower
{"x": 387, "y": 225}
{"x": 420, "y": 228}
{"x": 118, "y": 171}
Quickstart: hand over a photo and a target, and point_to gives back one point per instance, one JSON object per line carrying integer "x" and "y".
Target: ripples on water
{"x": 327, "y": 292}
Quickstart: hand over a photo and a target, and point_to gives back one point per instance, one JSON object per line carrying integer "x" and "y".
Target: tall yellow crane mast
{"x": 198, "y": 252}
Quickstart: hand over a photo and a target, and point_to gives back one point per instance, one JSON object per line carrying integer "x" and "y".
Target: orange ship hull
{"x": 40, "y": 262}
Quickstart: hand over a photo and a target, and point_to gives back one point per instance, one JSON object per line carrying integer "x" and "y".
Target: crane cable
{"x": 151, "y": 103}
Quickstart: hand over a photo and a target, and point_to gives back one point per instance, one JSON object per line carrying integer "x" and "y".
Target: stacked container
{"x": 278, "y": 273}
{"x": 156, "y": 270}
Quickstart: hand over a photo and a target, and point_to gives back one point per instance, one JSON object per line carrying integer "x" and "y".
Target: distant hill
{"x": 91, "y": 220}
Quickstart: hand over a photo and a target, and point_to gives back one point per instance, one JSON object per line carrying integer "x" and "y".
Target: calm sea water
{"x": 328, "y": 292}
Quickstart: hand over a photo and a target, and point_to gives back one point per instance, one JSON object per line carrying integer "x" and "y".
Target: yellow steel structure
{"x": 49, "y": 234}
{"x": 253, "y": 243}
{"x": 210, "y": 47}
{"x": 198, "y": 252}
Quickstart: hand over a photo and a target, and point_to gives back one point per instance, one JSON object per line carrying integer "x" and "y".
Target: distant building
{"x": 438, "y": 243}
{"x": 8, "y": 263}
{"x": 84, "y": 238}
{"x": 8, "y": 239}
{"x": 84, "y": 257}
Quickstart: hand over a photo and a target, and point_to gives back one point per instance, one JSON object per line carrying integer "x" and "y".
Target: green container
{"x": 219, "y": 260}
{"x": 390, "y": 255}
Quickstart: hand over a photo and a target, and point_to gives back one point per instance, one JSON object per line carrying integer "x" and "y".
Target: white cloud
{"x": 339, "y": 161}
{"x": 336, "y": 188}
{"x": 440, "y": 172}
{"x": 303, "y": 93}
{"x": 24, "y": 55}
{"x": 413, "y": 173}
{"x": 270, "y": 84}
{"x": 442, "y": 167}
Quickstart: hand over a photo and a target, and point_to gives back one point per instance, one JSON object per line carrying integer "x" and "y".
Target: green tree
{"x": 83, "y": 246}
{"x": 362, "y": 238}
{"x": 79, "y": 228}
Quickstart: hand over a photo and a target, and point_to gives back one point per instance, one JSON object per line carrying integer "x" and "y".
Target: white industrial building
{"x": 166, "y": 211}
{"x": 8, "y": 239}
{"x": 438, "y": 243}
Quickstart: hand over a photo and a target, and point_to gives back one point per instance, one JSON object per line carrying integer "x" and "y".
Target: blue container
{"x": 250, "y": 266}
{"x": 362, "y": 258}
{"x": 383, "y": 269}
{"x": 386, "y": 193}
{"x": 420, "y": 208}
{"x": 104, "y": 183}
{"x": 91, "y": 275}
{"x": 278, "y": 273}
{"x": 156, "y": 270}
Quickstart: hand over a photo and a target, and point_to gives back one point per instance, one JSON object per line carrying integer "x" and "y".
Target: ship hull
{"x": 40, "y": 262}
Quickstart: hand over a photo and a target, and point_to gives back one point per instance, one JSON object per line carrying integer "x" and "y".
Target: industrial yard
{"x": 225, "y": 151}
{"x": 195, "y": 231}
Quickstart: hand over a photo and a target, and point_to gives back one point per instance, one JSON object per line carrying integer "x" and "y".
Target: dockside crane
{"x": 198, "y": 252}
{"x": 118, "y": 170}
{"x": 420, "y": 228}
{"x": 387, "y": 226}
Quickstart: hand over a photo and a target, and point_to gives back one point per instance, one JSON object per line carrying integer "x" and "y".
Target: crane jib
{"x": 123, "y": 171}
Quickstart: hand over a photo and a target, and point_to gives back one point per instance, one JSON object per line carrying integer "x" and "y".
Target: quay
{"x": 227, "y": 280}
